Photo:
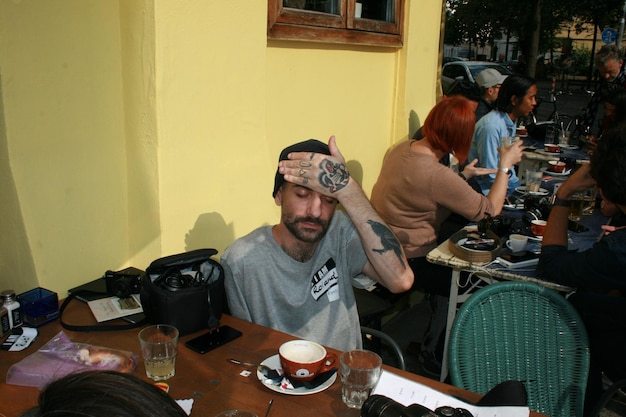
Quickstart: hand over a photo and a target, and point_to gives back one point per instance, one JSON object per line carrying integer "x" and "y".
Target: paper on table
{"x": 408, "y": 392}
{"x": 114, "y": 307}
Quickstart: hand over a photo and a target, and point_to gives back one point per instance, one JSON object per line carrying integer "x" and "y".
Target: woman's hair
{"x": 608, "y": 165}
{"x": 514, "y": 85}
{"x": 104, "y": 394}
{"x": 450, "y": 125}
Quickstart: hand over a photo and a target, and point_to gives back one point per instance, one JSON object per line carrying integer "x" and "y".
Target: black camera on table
{"x": 381, "y": 406}
{"x": 123, "y": 283}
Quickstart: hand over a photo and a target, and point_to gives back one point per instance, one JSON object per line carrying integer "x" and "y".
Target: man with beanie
{"x": 297, "y": 276}
{"x": 489, "y": 81}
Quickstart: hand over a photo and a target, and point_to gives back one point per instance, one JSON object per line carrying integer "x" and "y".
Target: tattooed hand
{"x": 326, "y": 174}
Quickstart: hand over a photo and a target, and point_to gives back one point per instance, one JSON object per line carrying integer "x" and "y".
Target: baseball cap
{"x": 489, "y": 77}
{"x": 311, "y": 145}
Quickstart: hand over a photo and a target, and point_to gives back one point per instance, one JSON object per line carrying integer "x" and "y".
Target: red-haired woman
{"x": 415, "y": 194}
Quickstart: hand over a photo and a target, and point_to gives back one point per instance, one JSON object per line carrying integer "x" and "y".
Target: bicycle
{"x": 556, "y": 121}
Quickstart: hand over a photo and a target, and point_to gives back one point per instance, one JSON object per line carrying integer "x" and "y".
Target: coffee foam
{"x": 302, "y": 352}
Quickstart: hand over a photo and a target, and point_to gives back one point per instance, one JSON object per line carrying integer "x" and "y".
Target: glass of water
{"x": 159, "y": 345}
{"x": 360, "y": 370}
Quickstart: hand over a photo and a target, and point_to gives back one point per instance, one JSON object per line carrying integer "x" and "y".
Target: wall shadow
{"x": 17, "y": 267}
{"x": 210, "y": 231}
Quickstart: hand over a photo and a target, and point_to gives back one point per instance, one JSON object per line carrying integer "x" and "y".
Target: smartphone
{"x": 213, "y": 339}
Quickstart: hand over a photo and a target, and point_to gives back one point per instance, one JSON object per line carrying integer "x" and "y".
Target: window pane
{"x": 378, "y": 10}
{"x": 324, "y": 6}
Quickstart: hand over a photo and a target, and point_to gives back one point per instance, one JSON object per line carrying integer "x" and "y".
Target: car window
{"x": 455, "y": 70}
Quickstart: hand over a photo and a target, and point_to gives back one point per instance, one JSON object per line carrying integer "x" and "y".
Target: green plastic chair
{"x": 525, "y": 332}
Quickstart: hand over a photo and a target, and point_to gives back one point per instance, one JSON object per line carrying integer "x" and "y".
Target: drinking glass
{"x": 360, "y": 370}
{"x": 159, "y": 345}
{"x": 533, "y": 180}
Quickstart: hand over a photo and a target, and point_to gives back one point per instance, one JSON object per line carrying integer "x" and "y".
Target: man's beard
{"x": 303, "y": 234}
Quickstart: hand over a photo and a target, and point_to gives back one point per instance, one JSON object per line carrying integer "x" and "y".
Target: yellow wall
{"x": 136, "y": 129}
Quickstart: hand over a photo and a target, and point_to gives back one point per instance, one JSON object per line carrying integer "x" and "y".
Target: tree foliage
{"x": 480, "y": 22}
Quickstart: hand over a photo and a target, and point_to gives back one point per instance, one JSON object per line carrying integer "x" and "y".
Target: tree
{"x": 536, "y": 23}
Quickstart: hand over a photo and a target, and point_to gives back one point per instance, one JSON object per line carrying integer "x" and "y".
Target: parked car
{"x": 467, "y": 71}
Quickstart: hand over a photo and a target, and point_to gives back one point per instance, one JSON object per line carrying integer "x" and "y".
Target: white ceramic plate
{"x": 522, "y": 190}
{"x": 514, "y": 206}
{"x": 558, "y": 174}
{"x": 274, "y": 363}
{"x": 568, "y": 146}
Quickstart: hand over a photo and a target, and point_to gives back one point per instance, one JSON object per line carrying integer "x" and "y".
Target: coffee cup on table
{"x": 551, "y": 147}
{"x": 517, "y": 243}
{"x": 537, "y": 227}
{"x": 556, "y": 166}
{"x": 303, "y": 360}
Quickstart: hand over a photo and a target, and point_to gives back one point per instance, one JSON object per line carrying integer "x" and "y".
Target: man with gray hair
{"x": 610, "y": 65}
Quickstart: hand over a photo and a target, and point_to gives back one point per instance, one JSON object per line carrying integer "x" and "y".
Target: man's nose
{"x": 314, "y": 208}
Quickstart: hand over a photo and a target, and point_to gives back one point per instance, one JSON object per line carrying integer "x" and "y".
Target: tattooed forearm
{"x": 387, "y": 239}
{"x": 334, "y": 175}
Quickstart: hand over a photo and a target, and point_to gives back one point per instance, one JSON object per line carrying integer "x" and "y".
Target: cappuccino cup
{"x": 303, "y": 360}
{"x": 537, "y": 227}
{"x": 517, "y": 243}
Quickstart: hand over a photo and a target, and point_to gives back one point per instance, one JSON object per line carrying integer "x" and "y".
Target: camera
{"x": 381, "y": 406}
{"x": 123, "y": 283}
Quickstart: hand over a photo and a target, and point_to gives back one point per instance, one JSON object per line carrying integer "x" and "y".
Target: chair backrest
{"x": 525, "y": 332}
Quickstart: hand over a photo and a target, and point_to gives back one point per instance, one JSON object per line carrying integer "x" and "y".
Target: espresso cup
{"x": 551, "y": 147}
{"x": 537, "y": 227}
{"x": 517, "y": 243}
{"x": 303, "y": 360}
{"x": 556, "y": 166}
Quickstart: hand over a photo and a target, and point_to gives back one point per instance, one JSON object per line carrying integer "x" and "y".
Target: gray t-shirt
{"x": 313, "y": 300}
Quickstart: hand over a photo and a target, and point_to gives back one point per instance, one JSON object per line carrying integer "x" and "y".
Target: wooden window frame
{"x": 285, "y": 23}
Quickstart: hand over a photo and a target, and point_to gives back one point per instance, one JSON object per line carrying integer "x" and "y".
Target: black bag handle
{"x": 97, "y": 327}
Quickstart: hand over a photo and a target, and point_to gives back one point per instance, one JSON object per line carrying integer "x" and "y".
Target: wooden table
{"x": 213, "y": 383}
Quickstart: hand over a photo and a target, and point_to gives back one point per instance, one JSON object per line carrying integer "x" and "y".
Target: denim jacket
{"x": 487, "y": 139}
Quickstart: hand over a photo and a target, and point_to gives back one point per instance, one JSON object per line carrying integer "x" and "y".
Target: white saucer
{"x": 522, "y": 190}
{"x": 274, "y": 363}
{"x": 543, "y": 152}
{"x": 513, "y": 206}
{"x": 535, "y": 238}
{"x": 564, "y": 146}
{"x": 558, "y": 174}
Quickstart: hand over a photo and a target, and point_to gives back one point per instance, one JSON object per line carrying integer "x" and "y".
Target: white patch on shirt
{"x": 325, "y": 281}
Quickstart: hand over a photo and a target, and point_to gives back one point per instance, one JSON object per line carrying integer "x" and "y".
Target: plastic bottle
{"x": 13, "y": 307}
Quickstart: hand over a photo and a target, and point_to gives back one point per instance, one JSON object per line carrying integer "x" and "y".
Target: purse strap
{"x": 97, "y": 327}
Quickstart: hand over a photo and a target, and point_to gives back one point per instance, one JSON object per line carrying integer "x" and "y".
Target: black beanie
{"x": 311, "y": 145}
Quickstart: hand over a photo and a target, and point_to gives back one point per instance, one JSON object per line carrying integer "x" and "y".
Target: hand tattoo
{"x": 334, "y": 175}
{"x": 387, "y": 239}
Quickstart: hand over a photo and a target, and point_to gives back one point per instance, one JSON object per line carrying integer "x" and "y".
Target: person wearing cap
{"x": 489, "y": 81}
{"x": 517, "y": 98}
{"x": 297, "y": 276}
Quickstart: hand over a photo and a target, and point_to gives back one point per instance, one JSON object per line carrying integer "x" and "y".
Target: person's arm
{"x": 327, "y": 174}
{"x": 508, "y": 157}
{"x": 471, "y": 170}
{"x": 556, "y": 229}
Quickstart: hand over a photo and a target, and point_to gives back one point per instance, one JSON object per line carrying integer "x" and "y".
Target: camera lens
{"x": 122, "y": 288}
{"x": 381, "y": 406}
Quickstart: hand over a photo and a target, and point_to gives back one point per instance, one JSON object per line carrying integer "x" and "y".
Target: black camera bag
{"x": 185, "y": 290}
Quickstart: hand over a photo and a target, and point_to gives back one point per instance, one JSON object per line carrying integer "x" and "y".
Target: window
{"x": 363, "y": 22}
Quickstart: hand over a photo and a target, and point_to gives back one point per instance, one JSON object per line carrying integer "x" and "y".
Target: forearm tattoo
{"x": 387, "y": 239}
{"x": 334, "y": 175}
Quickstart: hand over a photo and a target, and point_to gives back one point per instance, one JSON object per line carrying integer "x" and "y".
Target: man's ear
{"x": 278, "y": 198}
